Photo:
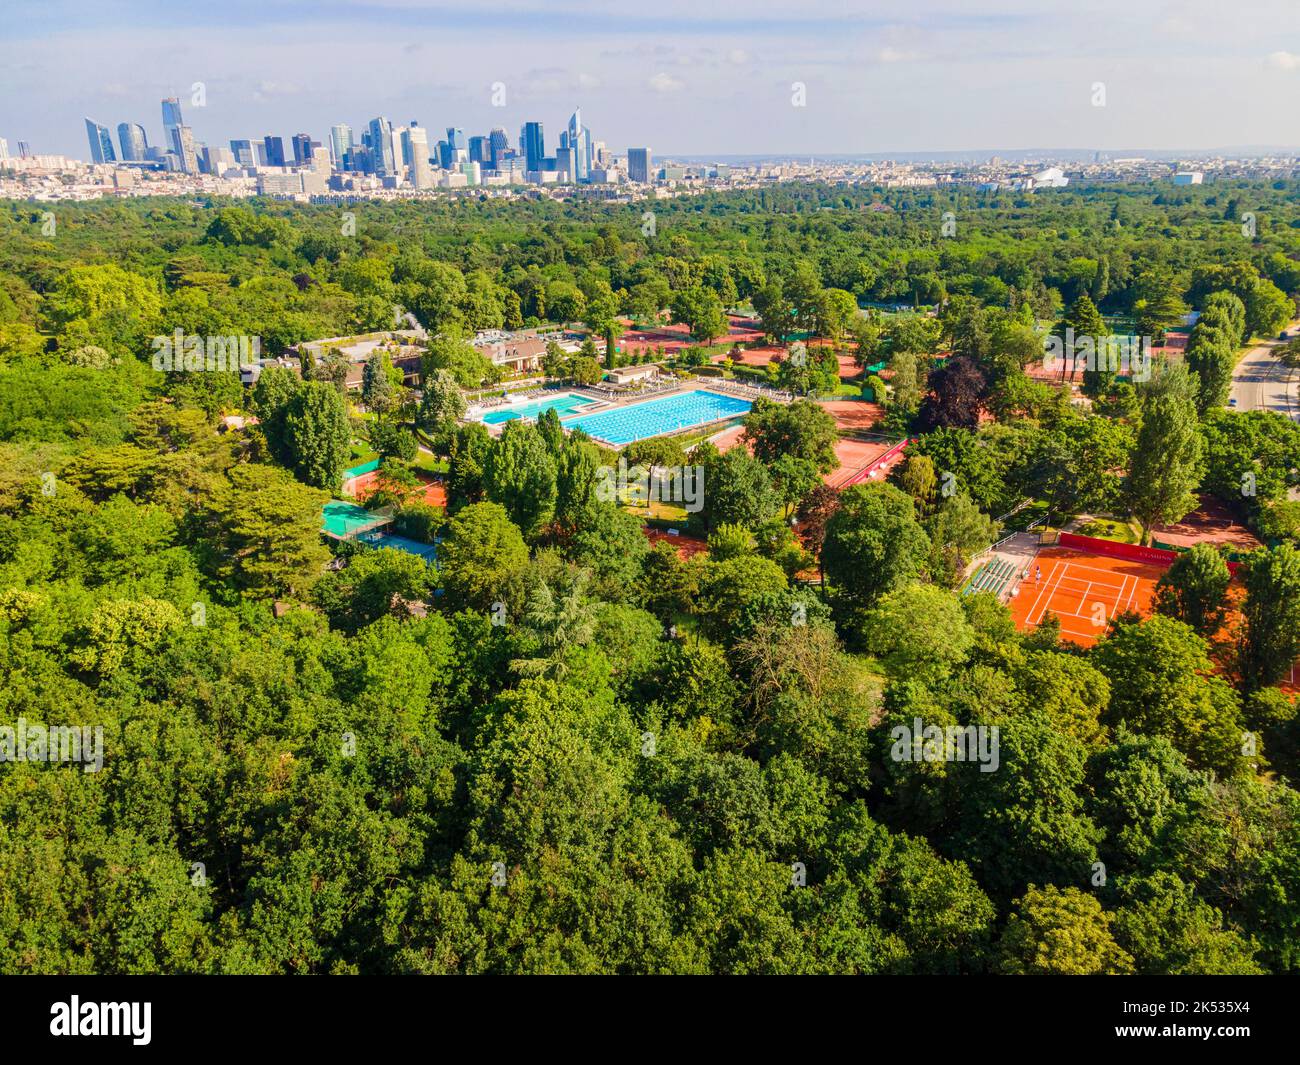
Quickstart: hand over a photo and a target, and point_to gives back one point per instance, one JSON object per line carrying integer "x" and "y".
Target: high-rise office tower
{"x": 478, "y": 150}
{"x": 185, "y": 149}
{"x": 101, "y": 143}
{"x": 24, "y": 150}
{"x": 171, "y": 116}
{"x": 638, "y": 165}
{"x": 243, "y": 152}
{"x": 274, "y": 150}
{"x": 131, "y": 136}
{"x": 498, "y": 145}
{"x": 301, "y": 149}
{"x": 534, "y": 142}
{"x": 381, "y": 146}
{"x": 340, "y": 143}
{"x": 4, "y": 148}
{"x": 415, "y": 154}
{"x": 456, "y": 138}
{"x": 579, "y": 146}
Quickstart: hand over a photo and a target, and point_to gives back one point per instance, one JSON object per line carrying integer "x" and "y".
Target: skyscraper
{"x": 301, "y": 149}
{"x": 340, "y": 143}
{"x": 478, "y": 150}
{"x": 131, "y": 137}
{"x": 534, "y": 141}
{"x": 638, "y": 165}
{"x": 579, "y": 147}
{"x": 498, "y": 145}
{"x": 171, "y": 116}
{"x": 185, "y": 149}
{"x": 101, "y": 143}
{"x": 415, "y": 154}
{"x": 274, "y": 150}
{"x": 381, "y": 146}
{"x": 4, "y": 148}
{"x": 243, "y": 152}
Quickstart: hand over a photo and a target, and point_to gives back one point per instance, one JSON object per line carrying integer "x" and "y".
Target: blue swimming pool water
{"x": 563, "y": 404}
{"x": 386, "y": 539}
{"x": 623, "y": 425}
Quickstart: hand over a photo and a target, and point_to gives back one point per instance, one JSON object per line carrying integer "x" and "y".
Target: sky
{"x": 684, "y": 77}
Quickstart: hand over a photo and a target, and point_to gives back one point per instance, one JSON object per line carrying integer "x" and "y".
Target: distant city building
{"x": 243, "y": 152}
{"x": 381, "y": 146}
{"x": 101, "y": 143}
{"x": 1189, "y": 177}
{"x": 340, "y": 143}
{"x": 415, "y": 156}
{"x": 4, "y": 148}
{"x": 171, "y": 118}
{"x": 579, "y": 147}
{"x": 274, "y": 147}
{"x": 301, "y": 148}
{"x": 498, "y": 146}
{"x": 639, "y": 165}
{"x": 479, "y": 150}
{"x": 24, "y": 150}
{"x": 186, "y": 150}
{"x": 217, "y": 161}
{"x": 135, "y": 144}
{"x": 534, "y": 145}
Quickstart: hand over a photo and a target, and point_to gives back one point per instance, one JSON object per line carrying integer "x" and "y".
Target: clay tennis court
{"x": 1084, "y": 590}
{"x": 855, "y": 457}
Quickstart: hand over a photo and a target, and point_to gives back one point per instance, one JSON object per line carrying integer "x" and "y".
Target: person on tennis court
{"x": 1038, "y": 574}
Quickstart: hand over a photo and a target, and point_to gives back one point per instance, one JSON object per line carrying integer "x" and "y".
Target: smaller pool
{"x": 378, "y": 538}
{"x": 343, "y": 519}
{"x": 563, "y": 403}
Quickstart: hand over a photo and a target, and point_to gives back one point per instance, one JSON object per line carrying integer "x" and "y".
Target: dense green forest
{"x": 562, "y": 749}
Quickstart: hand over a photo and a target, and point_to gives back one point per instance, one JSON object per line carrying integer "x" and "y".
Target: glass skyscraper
{"x": 131, "y": 136}
{"x": 534, "y": 141}
{"x": 101, "y": 143}
{"x": 340, "y": 143}
{"x": 172, "y": 120}
{"x": 381, "y": 146}
{"x": 274, "y": 150}
{"x": 579, "y": 147}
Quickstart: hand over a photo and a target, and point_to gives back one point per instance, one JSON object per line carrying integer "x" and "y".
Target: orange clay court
{"x": 1085, "y": 591}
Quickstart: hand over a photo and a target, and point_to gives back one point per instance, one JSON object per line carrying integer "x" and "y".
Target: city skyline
{"x": 887, "y": 79}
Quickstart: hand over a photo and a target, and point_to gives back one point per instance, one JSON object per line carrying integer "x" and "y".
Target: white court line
{"x": 1029, "y": 618}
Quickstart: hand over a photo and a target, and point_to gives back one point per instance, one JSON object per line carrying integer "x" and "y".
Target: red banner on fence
{"x": 1154, "y": 556}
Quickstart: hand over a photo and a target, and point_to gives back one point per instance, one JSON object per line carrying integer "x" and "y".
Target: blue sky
{"x": 682, "y": 76}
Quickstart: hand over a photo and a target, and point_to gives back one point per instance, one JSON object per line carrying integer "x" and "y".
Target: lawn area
{"x": 1124, "y": 531}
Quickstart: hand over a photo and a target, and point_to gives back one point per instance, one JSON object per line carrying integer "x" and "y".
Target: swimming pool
{"x": 562, "y": 404}
{"x": 623, "y": 425}
{"x": 379, "y": 538}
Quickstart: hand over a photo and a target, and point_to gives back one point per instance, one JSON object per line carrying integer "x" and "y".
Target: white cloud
{"x": 666, "y": 83}
{"x": 1284, "y": 60}
{"x": 738, "y": 56}
{"x": 897, "y": 55}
